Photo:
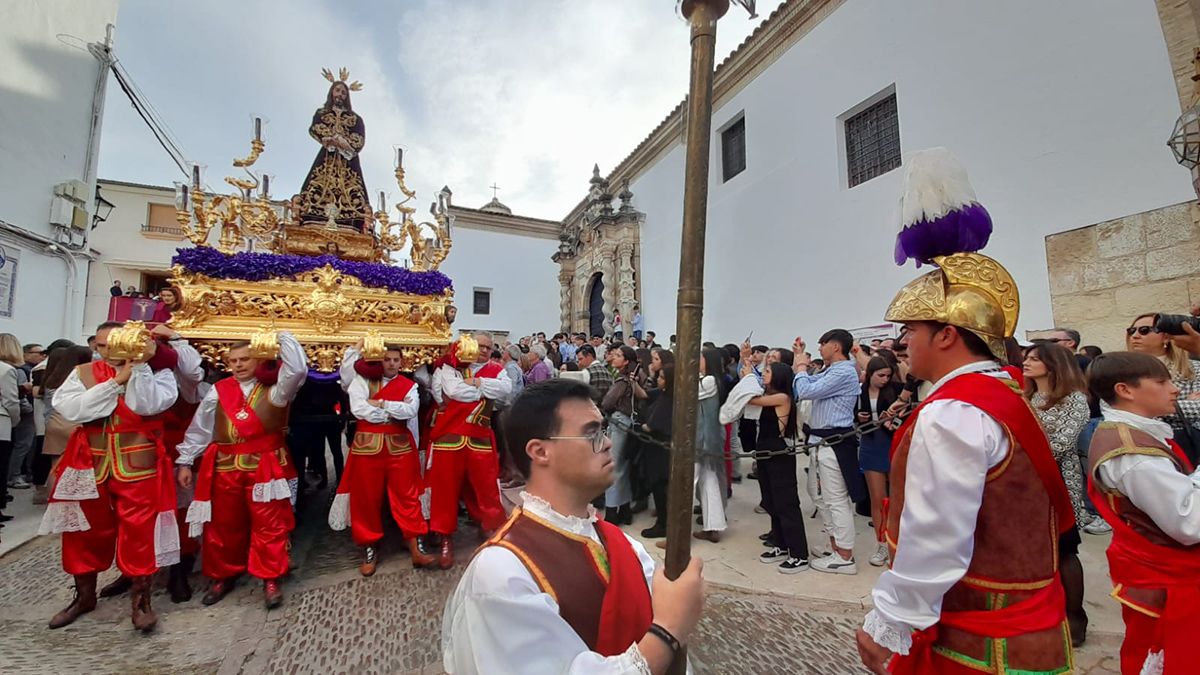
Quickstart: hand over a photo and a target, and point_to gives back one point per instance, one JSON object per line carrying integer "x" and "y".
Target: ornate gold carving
{"x": 343, "y": 75}
{"x": 374, "y": 347}
{"x": 131, "y": 341}
{"x": 987, "y": 275}
{"x": 324, "y": 309}
{"x": 264, "y": 344}
{"x": 315, "y": 240}
{"x": 335, "y": 183}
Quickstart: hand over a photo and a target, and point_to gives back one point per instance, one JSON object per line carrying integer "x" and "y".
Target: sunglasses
{"x": 1140, "y": 330}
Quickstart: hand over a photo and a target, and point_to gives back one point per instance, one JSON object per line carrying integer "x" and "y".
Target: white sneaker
{"x": 835, "y": 564}
{"x": 880, "y": 557}
{"x": 1097, "y": 526}
{"x": 793, "y": 565}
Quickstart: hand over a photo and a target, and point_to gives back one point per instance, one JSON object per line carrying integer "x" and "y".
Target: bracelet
{"x": 664, "y": 635}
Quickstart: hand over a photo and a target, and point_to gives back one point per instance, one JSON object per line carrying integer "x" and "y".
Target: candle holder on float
{"x": 425, "y": 253}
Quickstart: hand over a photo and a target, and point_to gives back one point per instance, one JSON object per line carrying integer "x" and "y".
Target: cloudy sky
{"x": 524, "y": 93}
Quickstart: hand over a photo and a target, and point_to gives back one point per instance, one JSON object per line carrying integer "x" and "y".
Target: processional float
{"x": 327, "y": 273}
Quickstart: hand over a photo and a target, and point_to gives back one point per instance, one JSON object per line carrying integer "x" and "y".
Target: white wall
{"x": 519, "y": 271}
{"x": 124, "y": 251}
{"x": 46, "y": 92}
{"x": 1060, "y": 112}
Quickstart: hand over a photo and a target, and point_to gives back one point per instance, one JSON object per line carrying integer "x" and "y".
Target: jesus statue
{"x": 334, "y": 188}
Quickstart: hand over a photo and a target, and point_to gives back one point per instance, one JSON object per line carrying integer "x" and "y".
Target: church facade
{"x": 1059, "y": 111}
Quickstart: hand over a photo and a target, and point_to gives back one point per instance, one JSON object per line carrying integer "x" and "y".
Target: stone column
{"x": 607, "y": 263}
{"x": 566, "y": 282}
{"x": 626, "y": 288}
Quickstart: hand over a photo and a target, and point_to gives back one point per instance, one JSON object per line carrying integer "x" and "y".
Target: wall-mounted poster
{"x": 9, "y": 257}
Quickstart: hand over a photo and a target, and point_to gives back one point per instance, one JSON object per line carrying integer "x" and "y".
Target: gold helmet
{"x": 943, "y": 224}
{"x": 968, "y": 290}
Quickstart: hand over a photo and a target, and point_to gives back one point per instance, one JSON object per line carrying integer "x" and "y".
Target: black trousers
{"x": 781, "y": 499}
{"x": 41, "y": 463}
{"x": 6, "y": 448}
{"x": 308, "y": 439}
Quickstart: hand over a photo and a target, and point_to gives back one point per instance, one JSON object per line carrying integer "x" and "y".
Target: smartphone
{"x": 749, "y": 336}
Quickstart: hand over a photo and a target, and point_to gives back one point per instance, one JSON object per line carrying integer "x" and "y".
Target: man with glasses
{"x": 557, "y": 590}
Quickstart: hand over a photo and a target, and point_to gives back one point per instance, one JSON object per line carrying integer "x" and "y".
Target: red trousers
{"x": 122, "y": 524}
{"x": 478, "y": 470}
{"x": 245, "y": 535}
{"x": 400, "y": 477}
{"x": 1141, "y": 635}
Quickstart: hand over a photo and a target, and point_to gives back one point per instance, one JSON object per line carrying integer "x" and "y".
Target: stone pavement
{"x": 334, "y": 621}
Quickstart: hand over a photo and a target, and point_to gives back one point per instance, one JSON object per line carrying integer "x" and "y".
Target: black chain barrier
{"x": 793, "y": 446}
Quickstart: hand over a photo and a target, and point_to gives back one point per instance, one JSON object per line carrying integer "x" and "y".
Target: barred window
{"x": 483, "y": 301}
{"x": 872, "y": 142}
{"x": 733, "y": 149}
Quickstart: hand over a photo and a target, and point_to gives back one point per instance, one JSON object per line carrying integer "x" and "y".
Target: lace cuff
{"x": 632, "y": 661}
{"x": 339, "y": 511}
{"x": 1153, "y": 665}
{"x": 894, "y": 637}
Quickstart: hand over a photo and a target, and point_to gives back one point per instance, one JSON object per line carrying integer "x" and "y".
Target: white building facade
{"x": 504, "y": 280}
{"x": 55, "y": 55}
{"x": 1060, "y": 112}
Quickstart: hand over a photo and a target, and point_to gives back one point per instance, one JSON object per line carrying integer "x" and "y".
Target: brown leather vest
{"x": 1113, "y": 440}
{"x": 274, "y": 421}
{"x": 569, "y": 568}
{"x": 127, "y": 456}
{"x": 1015, "y": 555}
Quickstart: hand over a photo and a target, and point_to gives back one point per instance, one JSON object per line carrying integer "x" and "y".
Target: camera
{"x": 1172, "y": 324}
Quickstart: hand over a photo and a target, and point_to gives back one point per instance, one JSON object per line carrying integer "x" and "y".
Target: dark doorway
{"x": 596, "y": 306}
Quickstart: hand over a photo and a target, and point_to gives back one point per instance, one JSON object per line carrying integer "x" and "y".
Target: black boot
{"x": 610, "y": 515}
{"x": 624, "y": 516}
{"x": 177, "y": 580}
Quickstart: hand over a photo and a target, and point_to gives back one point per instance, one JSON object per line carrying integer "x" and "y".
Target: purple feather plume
{"x": 964, "y": 230}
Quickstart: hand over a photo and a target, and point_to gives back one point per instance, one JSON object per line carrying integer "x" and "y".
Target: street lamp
{"x": 103, "y": 209}
{"x": 1185, "y": 138}
{"x": 702, "y": 16}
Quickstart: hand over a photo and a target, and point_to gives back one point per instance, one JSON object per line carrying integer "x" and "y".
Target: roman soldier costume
{"x": 546, "y": 590}
{"x": 114, "y": 492}
{"x": 462, "y": 445}
{"x": 382, "y": 461}
{"x": 245, "y": 484}
{"x": 1141, "y": 485}
{"x": 977, "y": 502}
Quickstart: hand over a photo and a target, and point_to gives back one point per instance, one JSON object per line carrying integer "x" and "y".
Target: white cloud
{"x": 527, "y": 93}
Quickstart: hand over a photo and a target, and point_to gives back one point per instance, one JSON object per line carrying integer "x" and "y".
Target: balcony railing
{"x": 173, "y": 230}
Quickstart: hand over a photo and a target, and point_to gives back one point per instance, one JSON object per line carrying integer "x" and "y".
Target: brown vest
{"x": 1114, "y": 440}
{"x": 274, "y": 421}
{"x": 373, "y": 442}
{"x": 127, "y": 455}
{"x": 569, "y": 568}
{"x": 1007, "y": 565}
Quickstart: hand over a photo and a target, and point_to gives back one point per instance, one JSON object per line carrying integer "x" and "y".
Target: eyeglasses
{"x": 1140, "y": 330}
{"x": 597, "y": 439}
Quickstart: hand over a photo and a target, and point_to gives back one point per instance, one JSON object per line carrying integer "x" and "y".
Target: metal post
{"x": 703, "y": 16}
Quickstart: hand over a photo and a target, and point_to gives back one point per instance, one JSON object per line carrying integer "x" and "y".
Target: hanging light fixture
{"x": 1185, "y": 139}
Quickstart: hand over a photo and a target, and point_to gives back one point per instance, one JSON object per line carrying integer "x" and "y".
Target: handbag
{"x": 1188, "y": 438}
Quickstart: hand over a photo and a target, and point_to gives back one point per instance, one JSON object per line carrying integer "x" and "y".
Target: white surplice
{"x": 953, "y": 446}
{"x": 498, "y": 621}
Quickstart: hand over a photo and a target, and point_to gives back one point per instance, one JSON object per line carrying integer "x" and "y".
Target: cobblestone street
{"x": 335, "y": 621}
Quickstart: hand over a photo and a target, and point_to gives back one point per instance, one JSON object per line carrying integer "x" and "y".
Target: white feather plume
{"x": 935, "y": 183}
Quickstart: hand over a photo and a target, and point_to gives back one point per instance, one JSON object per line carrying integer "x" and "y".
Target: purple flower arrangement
{"x": 262, "y": 266}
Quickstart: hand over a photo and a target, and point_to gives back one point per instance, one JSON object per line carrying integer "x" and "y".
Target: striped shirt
{"x": 834, "y": 393}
